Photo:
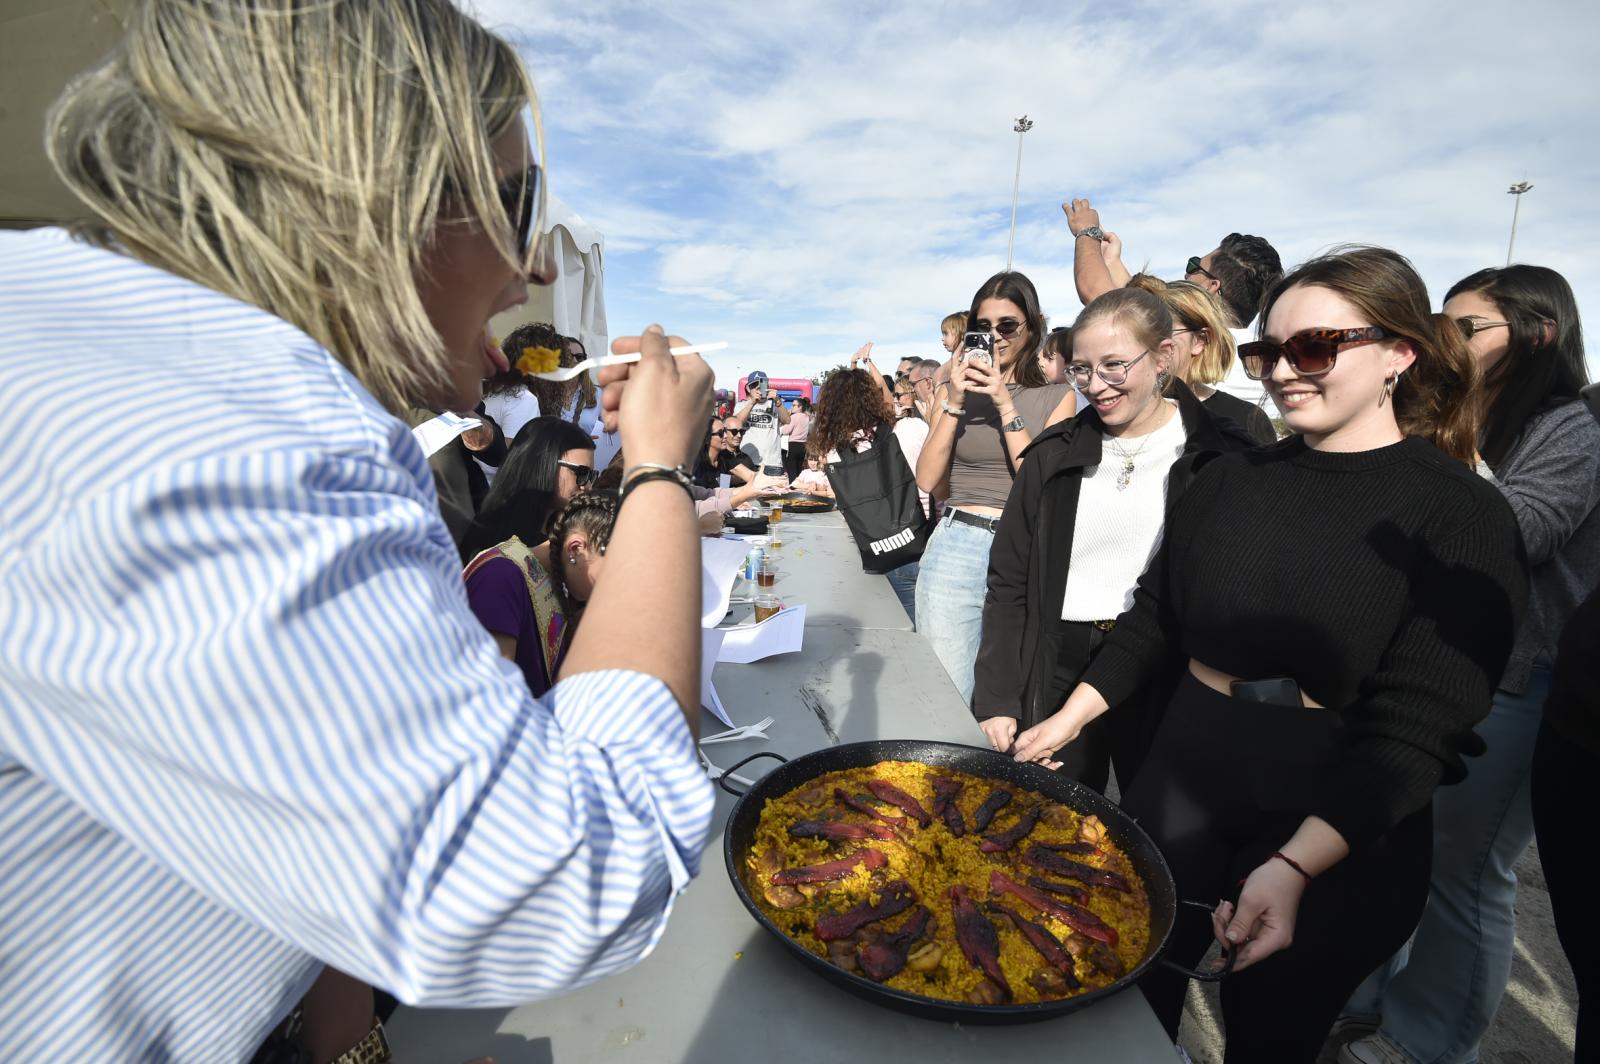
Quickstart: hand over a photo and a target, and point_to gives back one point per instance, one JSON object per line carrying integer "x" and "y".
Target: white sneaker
{"x": 1373, "y": 1049}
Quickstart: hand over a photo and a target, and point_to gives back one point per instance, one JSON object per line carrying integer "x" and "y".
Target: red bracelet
{"x": 1292, "y": 863}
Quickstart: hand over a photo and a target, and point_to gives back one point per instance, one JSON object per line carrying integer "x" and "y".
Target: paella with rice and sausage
{"x": 940, "y": 883}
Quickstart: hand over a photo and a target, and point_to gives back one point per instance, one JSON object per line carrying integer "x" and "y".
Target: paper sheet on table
{"x": 710, "y": 647}
{"x": 720, "y": 562}
{"x": 433, "y": 435}
{"x": 782, "y": 633}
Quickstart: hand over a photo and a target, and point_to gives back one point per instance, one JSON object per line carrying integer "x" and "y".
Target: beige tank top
{"x": 980, "y": 469}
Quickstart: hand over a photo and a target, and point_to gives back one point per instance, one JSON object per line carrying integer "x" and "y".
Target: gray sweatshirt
{"x": 1551, "y": 478}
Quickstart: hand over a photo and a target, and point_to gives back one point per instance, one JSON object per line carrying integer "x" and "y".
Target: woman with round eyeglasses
{"x": 988, "y": 404}
{"x": 1541, "y": 448}
{"x": 1083, "y": 518}
{"x": 1341, "y": 606}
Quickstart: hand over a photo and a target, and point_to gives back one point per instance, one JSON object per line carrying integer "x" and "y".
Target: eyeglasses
{"x": 1311, "y": 353}
{"x": 1114, "y": 372}
{"x": 583, "y": 474}
{"x": 1470, "y": 327}
{"x": 1005, "y": 326}
{"x": 733, "y": 432}
{"x": 1195, "y": 267}
{"x": 518, "y": 194}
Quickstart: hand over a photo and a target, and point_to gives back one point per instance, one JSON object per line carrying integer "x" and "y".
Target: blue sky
{"x": 798, "y": 178}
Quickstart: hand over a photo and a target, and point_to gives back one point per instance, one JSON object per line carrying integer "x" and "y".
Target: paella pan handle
{"x": 723, "y": 780}
{"x": 1204, "y": 977}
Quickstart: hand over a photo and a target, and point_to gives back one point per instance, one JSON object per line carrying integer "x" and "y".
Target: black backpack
{"x": 877, "y": 492}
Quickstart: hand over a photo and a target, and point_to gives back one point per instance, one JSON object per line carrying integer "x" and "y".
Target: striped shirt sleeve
{"x": 260, "y": 669}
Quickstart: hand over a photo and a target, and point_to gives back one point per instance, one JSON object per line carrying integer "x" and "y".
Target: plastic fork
{"x": 567, "y": 373}
{"x": 716, "y": 773}
{"x": 757, "y": 730}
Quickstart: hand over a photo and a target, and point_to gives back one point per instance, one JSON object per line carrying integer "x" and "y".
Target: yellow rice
{"x": 932, "y": 860}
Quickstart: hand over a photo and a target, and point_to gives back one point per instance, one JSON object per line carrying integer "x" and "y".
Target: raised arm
{"x": 1089, "y": 272}
{"x": 933, "y": 464}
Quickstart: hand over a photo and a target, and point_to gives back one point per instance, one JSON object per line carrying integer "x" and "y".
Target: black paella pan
{"x": 827, "y": 503}
{"x": 1146, "y": 859}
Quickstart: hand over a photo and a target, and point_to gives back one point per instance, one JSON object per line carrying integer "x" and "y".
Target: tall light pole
{"x": 1515, "y": 190}
{"x": 1022, "y": 126}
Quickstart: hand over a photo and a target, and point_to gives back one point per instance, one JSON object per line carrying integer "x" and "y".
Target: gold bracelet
{"x": 373, "y": 1049}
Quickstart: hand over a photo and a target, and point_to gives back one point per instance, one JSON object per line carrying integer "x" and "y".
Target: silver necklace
{"x": 1125, "y": 474}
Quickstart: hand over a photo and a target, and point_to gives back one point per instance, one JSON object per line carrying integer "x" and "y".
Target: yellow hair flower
{"x": 539, "y": 360}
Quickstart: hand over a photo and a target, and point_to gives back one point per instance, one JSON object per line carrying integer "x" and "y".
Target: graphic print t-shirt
{"x": 761, "y": 439}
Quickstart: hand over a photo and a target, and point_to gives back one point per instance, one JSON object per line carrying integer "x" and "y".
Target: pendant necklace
{"x": 1125, "y": 474}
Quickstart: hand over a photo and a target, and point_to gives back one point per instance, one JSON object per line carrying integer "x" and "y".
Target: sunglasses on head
{"x": 583, "y": 474}
{"x": 1003, "y": 327}
{"x": 1310, "y": 353}
{"x": 1195, "y": 267}
{"x": 519, "y": 193}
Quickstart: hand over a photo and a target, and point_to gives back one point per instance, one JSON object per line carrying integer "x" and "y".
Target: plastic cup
{"x": 775, "y": 512}
{"x": 766, "y": 606}
{"x": 766, "y": 576}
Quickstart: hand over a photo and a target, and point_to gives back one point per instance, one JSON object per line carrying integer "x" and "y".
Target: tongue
{"x": 497, "y": 358}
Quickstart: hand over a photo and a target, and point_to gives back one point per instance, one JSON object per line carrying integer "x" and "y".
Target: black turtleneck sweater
{"x": 1389, "y": 583}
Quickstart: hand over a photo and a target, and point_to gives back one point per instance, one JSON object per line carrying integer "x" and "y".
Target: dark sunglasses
{"x": 519, "y": 194}
{"x": 583, "y": 474}
{"x": 1470, "y": 327}
{"x": 1195, "y": 267}
{"x": 1310, "y": 353}
{"x": 1004, "y": 327}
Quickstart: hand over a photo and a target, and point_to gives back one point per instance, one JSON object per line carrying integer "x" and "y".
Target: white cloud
{"x": 800, "y": 177}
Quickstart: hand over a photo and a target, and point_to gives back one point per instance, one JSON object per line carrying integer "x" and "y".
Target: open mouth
{"x": 494, "y": 359}
{"x": 1105, "y": 404}
{"x": 1295, "y": 400}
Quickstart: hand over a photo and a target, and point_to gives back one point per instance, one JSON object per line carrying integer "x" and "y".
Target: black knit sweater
{"x": 1389, "y": 583}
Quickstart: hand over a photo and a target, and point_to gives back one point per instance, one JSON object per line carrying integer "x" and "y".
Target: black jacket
{"x": 1033, "y": 546}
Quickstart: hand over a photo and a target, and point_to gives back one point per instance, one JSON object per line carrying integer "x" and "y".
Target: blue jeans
{"x": 950, "y": 590}
{"x": 904, "y": 582}
{"x": 1438, "y": 995}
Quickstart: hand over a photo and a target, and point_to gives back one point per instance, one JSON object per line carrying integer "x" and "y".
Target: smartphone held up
{"x": 977, "y": 347}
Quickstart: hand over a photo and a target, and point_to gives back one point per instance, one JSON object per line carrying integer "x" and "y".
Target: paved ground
{"x": 1535, "y": 1023}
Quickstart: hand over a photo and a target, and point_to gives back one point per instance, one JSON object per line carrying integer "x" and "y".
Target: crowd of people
{"x": 1338, "y": 662}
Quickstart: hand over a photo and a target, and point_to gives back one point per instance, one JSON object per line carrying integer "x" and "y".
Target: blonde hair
{"x": 954, "y": 323}
{"x": 1195, "y": 308}
{"x": 299, "y": 156}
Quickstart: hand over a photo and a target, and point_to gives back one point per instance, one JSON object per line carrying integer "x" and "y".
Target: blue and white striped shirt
{"x": 248, "y": 723}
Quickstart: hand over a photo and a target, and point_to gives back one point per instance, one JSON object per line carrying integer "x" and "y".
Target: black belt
{"x": 990, "y": 524}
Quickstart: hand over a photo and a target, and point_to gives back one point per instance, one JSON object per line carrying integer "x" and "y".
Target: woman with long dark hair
{"x": 1335, "y": 668}
{"x": 986, "y": 409}
{"x": 509, "y": 584}
{"x": 1541, "y": 448}
{"x": 851, "y": 408}
{"x": 1084, "y": 516}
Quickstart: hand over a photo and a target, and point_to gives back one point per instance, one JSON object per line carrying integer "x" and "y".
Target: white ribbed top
{"x": 1117, "y": 530}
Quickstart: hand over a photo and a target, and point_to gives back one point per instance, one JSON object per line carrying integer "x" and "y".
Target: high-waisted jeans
{"x": 951, "y": 583}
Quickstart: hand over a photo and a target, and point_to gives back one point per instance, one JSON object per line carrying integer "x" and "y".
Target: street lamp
{"x": 1515, "y": 190}
{"x": 1022, "y": 126}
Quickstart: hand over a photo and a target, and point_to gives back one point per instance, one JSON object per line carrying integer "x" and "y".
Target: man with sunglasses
{"x": 731, "y": 457}
{"x": 1238, "y": 271}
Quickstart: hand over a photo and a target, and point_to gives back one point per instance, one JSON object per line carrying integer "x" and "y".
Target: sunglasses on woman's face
{"x": 1310, "y": 353}
{"x": 1470, "y": 327}
{"x": 518, "y": 195}
{"x": 583, "y": 474}
{"x": 1004, "y": 327}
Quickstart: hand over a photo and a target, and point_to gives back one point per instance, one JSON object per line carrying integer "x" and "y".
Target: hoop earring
{"x": 1388, "y": 388}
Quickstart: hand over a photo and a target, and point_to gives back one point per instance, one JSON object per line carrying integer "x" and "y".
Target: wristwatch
{"x": 1016, "y": 424}
{"x": 1093, "y": 231}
